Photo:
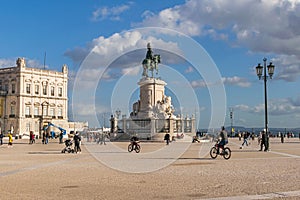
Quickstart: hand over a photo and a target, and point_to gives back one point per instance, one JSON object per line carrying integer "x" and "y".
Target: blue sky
{"x": 236, "y": 35}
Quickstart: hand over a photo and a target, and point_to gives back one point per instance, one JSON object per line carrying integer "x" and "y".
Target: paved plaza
{"x": 42, "y": 172}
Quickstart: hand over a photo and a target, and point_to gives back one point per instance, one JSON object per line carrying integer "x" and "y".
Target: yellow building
{"x": 31, "y": 97}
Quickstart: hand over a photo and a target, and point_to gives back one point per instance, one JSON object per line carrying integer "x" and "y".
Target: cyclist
{"x": 134, "y": 140}
{"x": 223, "y": 139}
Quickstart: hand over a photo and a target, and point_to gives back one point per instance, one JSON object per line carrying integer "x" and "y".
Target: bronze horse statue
{"x": 150, "y": 62}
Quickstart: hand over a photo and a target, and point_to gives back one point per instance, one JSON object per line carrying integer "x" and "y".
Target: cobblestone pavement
{"x": 42, "y": 172}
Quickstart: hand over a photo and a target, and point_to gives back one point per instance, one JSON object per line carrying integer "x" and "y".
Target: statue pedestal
{"x": 152, "y": 90}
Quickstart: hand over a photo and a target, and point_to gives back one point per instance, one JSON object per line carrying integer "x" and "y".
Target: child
{"x": 10, "y": 140}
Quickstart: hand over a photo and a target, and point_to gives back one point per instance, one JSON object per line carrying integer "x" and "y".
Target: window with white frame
{"x": 27, "y": 110}
{"x": 44, "y": 89}
{"x": 36, "y": 127}
{"x": 28, "y": 88}
{"x": 6, "y": 87}
{"x": 27, "y": 127}
{"x": 52, "y": 112}
{"x": 12, "y": 110}
{"x": 60, "y": 91}
{"x": 13, "y": 88}
{"x": 59, "y": 112}
{"x": 36, "y": 111}
{"x": 52, "y": 90}
{"x": 36, "y": 89}
{"x": 45, "y": 110}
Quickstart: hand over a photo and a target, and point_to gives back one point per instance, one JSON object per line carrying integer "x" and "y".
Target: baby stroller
{"x": 68, "y": 147}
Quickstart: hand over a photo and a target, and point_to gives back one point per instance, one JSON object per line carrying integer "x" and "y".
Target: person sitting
{"x": 195, "y": 139}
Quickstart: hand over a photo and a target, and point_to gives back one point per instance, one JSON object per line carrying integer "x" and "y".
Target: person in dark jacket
{"x": 167, "y": 138}
{"x": 77, "y": 140}
{"x": 263, "y": 141}
{"x": 1, "y": 138}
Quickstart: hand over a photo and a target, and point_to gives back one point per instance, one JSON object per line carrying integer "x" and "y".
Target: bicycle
{"x": 214, "y": 151}
{"x": 134, "y": 146}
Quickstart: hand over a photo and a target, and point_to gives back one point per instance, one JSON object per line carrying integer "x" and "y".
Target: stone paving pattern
{"x": 42, "y": 172}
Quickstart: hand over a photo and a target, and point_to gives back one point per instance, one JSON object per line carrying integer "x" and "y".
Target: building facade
{"x": 31, "y": 97}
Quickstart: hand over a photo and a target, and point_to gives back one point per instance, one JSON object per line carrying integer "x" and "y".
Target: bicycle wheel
{"x": 226, "y": 153}
{"x": 130, "y": 149}
{"x": 137, "y": 148}
{"x": 213, "y": 152}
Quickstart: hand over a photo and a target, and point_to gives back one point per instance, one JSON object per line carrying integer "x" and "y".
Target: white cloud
{"x": 4, "y": 63}
{"x": 199, "y": 84}
{"x": 132, "y": 71}
{"x": 265, "y": 26}
{"x": 276, "y": 107}
{"x": 241, "y": 82}
{"x": 238, "y": 81}
{"x": 242, "y": 107}
{"x": 112, "y": 13}
{"x": 32, "y": 63}
{"x": 103, "y": 51}
{"x": 287, "y": 67}
{"x": 116, "y": 56}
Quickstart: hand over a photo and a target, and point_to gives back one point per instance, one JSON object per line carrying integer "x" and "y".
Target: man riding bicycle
{"x": 134, "y": 140}
{"x": 223, "y": 138}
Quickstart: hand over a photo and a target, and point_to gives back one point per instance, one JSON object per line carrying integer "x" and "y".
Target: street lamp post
{"x": 261, "y": 72}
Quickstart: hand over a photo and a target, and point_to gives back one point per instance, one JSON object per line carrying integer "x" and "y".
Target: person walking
{"x": 32, "y": 137}
{"x": 240, "y": 136}
{"x": 282, "y": 137}
{"x": 61, "y": 137}
{"x": 167, "y": 138}
{"x": 263, "y": 141}
{"x": 259, "y": 138}
{"x": 245, "y": 136}
{"x": 47, "y": 136}
{"x": 77, "y": 140}
{"x": 10, "y": 140}
{"x": 1, "y": 138}
{"x": 102, "y": 137}
{"x": 44, "y": 138}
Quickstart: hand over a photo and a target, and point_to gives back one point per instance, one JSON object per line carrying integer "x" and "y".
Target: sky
{"x": 209, "y": 50}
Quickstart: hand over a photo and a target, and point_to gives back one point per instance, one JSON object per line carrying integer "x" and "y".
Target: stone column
{"x": 153, "y": 127}
{"x": 171, "y": 126}
{"x": 193, "y": 128}
{"x": 182, "y": 125}
{"x": 124, "y": 123}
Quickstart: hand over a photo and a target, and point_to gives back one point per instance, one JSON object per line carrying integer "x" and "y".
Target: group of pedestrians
{"x": 10, "y": 139}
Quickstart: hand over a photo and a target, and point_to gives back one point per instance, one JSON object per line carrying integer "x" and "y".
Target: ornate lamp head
{"x": 259, "y": 70}
{"x": 271, "y": 68}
